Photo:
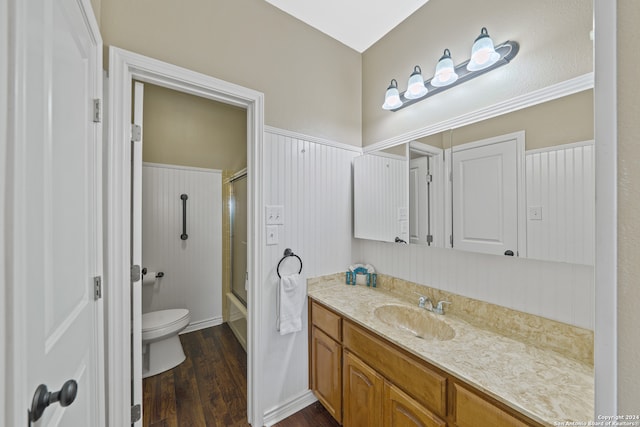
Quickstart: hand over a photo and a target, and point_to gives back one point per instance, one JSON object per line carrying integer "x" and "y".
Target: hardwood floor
{"x": 210, "y": 387}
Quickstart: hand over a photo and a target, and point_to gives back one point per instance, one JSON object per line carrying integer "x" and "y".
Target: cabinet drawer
{"x": 326, "y": 320}
{"x": 424, "y": 385}
{"x": 473, "y": 411}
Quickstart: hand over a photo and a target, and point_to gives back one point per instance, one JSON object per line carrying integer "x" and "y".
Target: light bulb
{"x": 415, "y": 86}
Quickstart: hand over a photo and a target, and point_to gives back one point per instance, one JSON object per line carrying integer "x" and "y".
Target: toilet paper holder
{"x": 158, "y": 275}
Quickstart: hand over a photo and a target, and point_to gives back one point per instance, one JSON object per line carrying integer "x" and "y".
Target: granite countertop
{"x": 539, "y": 383}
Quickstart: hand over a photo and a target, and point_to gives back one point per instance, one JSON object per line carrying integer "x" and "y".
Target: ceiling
{"x": 356, "y": 23}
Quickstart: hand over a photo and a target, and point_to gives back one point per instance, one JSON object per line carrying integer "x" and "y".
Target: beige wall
{"x": 554, "y": 47}
{"x": 629, "y": 207}
{"x": 186, "y": 130}
{"x": 561, "y": 121}
{"x": 312, "y": 83}
{"x": 96, "y": 5}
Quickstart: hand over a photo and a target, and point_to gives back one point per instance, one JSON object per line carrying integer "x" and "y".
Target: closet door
{"x": 485, "y": 196}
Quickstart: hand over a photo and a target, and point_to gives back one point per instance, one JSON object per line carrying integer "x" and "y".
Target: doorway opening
{"x": 125, "y": 67}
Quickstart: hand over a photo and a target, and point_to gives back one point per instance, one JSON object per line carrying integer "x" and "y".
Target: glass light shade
{"x": 415, "y": 86}
{"x": 483, "y": 54}
{"x": 392, "y": 97}
{"x": 445, "y": 71}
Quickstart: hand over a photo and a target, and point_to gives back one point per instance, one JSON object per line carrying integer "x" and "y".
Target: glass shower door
{"x": 239, "y": 238}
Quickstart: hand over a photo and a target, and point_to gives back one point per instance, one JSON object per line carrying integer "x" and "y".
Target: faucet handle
{"x": 439, "y": 308}
{"x": 425, "y": 302}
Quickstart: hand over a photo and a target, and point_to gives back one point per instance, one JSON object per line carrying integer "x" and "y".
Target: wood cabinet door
{"x": 400, "y": 410}
{"x": 326, "y": 372}
{"x": 362, "y": 390}
{"x": 473, "y": 411}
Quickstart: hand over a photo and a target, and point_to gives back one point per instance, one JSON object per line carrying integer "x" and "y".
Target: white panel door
{"x": 136, "y": 249}
{"x": 55, "y": 254}
{"x": 485, "y": 197}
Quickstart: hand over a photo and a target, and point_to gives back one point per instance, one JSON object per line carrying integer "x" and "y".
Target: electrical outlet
{"x": 534, "y": 213}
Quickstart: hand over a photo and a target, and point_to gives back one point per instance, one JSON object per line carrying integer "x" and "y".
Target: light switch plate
{"x": 403, "y": 214}
{"x": 272, "y": 235}
{"x": 274, "y": 215}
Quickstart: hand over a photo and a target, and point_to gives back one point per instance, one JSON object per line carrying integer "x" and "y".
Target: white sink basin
{"x": 416, "y": 321}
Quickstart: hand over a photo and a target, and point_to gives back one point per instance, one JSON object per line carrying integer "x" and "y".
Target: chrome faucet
{"x": 425, "y": 302}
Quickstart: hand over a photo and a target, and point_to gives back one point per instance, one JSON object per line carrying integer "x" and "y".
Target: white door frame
{"x": 606, "y": 264}
{"x": 123, "y": 67}
{"x": 4, "y": 135}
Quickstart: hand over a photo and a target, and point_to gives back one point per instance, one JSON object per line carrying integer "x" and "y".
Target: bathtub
{"x": 237, "y": 319}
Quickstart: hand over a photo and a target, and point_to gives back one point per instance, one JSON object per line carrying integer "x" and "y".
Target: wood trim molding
{"x": 202, "y": 324}
{"x": 549, "y": 93}
{"x": 279, "y": 413}
{"x": 316, "y": 140}
{"x": 123, "y": 67}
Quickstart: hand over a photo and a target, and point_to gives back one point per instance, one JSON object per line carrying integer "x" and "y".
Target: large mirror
{"x": 520, "y": 184}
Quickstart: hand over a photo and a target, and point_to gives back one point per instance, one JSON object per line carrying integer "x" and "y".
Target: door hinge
{"x": 97, "y": 288}
{"x": 429, "y": 238}
{"x": 97, "y": 110}
{"x": 135, "y": 273}
{"x": 429, "y": 178}
{"x": 136, "y": 133}
{"x": 451, "y": 239}
{"x": 136, "y": 413}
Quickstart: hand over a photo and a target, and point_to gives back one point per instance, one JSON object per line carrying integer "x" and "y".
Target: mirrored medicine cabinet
{"x": 520, "y": 184}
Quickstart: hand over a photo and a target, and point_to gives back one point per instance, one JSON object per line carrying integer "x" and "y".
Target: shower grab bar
{"x": 287, "y": 253}
{"x": 184, "y": 235}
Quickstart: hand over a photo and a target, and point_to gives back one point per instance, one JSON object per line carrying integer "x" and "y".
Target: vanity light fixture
{"x": 483, "y": 54}
{"x": 392, "y": 97}
{"x": 445, "y": 71}
{"x": 484, "y": 58}
{"x": 415, "y": 87}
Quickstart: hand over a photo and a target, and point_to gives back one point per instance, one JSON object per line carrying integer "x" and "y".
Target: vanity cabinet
{"x": 471, "y": 410}
{"x": 363, "y": 380}
{"x": 400, "y": 410}
{"x": 326, "y": 359}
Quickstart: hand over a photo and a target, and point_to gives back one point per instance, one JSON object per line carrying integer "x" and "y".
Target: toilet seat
{"x": 158, "y": 324}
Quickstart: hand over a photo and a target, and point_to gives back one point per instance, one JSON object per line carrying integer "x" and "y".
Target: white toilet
{"x": 161, "y": 347}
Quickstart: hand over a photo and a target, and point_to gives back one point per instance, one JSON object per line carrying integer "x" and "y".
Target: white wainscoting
{"x": 312, "y": 180}
{"x": 561, "y": 188}
{"x": 555, "y": 290}
{"x": 192, "y": 268}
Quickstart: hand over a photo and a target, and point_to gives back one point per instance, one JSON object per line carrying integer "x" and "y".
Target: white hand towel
{"x": 292, "y": 291}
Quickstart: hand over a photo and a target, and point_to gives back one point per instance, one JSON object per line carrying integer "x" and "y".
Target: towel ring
{"x": 287, "y": 253}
